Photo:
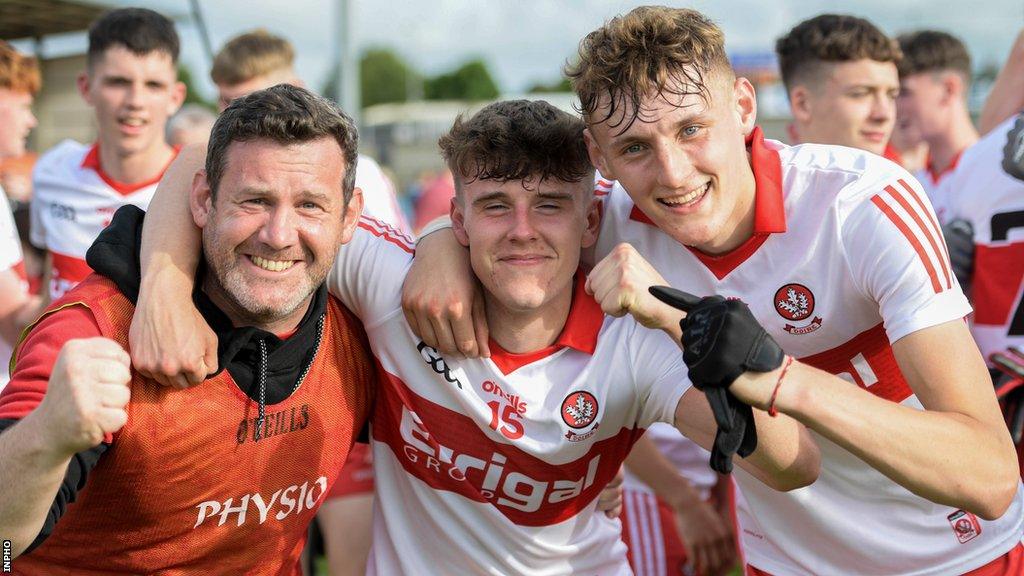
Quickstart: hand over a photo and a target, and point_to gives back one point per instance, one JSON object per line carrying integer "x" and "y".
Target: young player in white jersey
{"x": 980, "y": 192}
{"x": 491, "y": 466}
{"x": 19, "y": 81}
{"x": 935, "y": 80}
{"x": 131, "y": 83}
{"x": 839, "y": 257}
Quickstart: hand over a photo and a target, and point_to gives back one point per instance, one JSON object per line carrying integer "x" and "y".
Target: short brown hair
{"x": 517, "y": 140}
{"x": 18, "y": 72}
{"x": 141, "y": 30}
{"x": 285, "y": 114}
{"x": 641, "y": 54}
{"x": 831, "y": 38}
{"x": 933, "y": 51}
{"x": 249, "y": 55}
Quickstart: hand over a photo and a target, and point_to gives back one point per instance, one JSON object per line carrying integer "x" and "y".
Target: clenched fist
{"x": 86, "y": 395}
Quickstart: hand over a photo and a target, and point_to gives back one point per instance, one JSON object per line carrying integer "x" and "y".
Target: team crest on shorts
{"x": 579, "y": 410}
{"x": 795, "y": 302}
{"x": 965, "y": 525}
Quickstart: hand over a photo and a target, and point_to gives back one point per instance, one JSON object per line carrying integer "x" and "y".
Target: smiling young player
{"x": 130, "y": 81}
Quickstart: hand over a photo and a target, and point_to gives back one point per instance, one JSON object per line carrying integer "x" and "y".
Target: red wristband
{"x": 778, "y": 384}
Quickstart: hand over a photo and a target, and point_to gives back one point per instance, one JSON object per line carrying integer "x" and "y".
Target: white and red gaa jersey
{"x": 932, "y": 182}
{"x": 379, "y": 199}
{"x": 73, "y": 201}
{"x": 10, "y": 263}
{"x": 493, "y": 465}
{"x": 980, "y": 192}
{"x": 846, "y": 258}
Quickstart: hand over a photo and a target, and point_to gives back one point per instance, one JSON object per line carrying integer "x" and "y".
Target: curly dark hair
{"x": 517, "y": 140}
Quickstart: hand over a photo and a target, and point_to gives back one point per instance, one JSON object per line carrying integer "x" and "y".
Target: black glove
{"x": 721, "y": 341}
{"x": 1013, "y": 151}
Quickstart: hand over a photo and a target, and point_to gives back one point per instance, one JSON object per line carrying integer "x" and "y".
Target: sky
{"x": 527, "y": 41}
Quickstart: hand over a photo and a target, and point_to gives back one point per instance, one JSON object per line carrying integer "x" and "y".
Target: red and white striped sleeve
{"x": 368, "y": 273}
{"x": 897, "y": 255}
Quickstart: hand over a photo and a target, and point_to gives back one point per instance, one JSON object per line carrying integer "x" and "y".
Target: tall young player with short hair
{"x": 840, "y": 75}
{"x": 839, "y": 257}
{"x": 19, "y": 82}
{"x": 130, "y": 81}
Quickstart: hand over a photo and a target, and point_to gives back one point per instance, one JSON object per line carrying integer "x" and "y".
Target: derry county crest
{"x": 579, "y": 409}
{"x": 795, "y": 302}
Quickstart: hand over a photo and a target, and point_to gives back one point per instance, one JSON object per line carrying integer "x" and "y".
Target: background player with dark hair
{"x": 130, "y": 81}
{"x": 935, "y": 80}
{"x": 840, "y": 75}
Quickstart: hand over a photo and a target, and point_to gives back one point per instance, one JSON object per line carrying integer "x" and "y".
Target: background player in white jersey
{"x": 935, "y": 80}
{"x": 19, "y": 82}
{"x": 840, "y": 258}
{"x": 840, "y": 76}
{"x": 130, "y": 81}
{"x": 500, "y": 460}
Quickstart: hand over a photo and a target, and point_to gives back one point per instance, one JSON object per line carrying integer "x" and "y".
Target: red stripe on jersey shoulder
{"x": 387, "y": 232}
{"x": 868, "y": 360}
{"x": 930, "y": 232}
{"x": 911, "y": 238}
{"x": 931, "y": 217}
{"x": 450, "y": 451}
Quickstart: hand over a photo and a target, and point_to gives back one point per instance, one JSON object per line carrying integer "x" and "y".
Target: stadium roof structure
{"x": 38, "y": 18}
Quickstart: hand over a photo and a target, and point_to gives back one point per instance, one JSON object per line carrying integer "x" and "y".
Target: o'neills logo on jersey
{"x": 485, "y": 477}
{"x": 254, "y": 507}
{"x": 796, "y": 302}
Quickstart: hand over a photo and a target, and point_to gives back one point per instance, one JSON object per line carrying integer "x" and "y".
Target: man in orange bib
{"x": 104, "y": 471}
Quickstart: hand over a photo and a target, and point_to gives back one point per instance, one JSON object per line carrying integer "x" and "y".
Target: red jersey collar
{"x": 769, "y": 208}
{"x": 92, "y": 162}
{"x": 936, "y": 176}
{"x": 580, "y": 332}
